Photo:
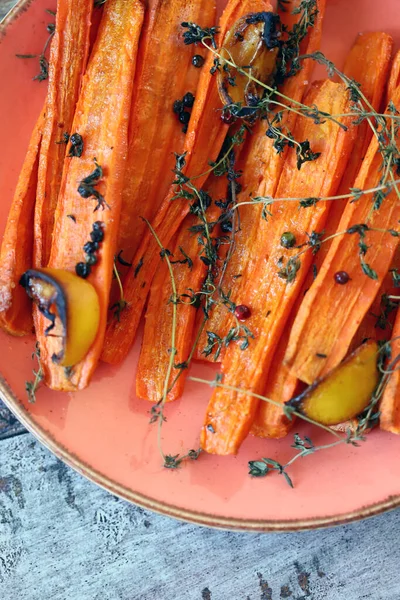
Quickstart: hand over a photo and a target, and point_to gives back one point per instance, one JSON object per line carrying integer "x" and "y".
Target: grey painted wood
{"x": 5, "y": 6}
{"x": 61, "y": 537}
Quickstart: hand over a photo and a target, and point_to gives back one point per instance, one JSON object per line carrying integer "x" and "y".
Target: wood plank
{"x": 59, "y": 532}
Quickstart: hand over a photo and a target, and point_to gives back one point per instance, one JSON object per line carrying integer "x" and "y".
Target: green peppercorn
{"x": 288, "y": 239}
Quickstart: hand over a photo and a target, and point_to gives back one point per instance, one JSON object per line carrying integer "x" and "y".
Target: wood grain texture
{"x": 5, "y": 6}
{"x": 59, "y": 532}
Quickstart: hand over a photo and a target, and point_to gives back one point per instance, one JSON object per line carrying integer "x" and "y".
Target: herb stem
{"x": 213, "y": 383}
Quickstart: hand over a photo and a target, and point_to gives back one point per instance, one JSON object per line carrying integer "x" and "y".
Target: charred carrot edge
{"x": 394, "y": 80}
{"x": 270, "y": 297}
{"x": 153, "y": 361}
{"x": 202, "y": 144}
{"x": 368, "y": 50}
{"x": 17, "y": 245}
{"x": 155, "y": 131}
{"x": 390, "y": 403}
{"x": 101, "y": 118}
{"x": 331, "y": 313}
{"x": 68, "y": 57}
{"x": 263, "y": 170}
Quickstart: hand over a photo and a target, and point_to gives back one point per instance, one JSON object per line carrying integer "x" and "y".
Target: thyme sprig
{"x": 118, "y": 307}
{"x": 31, "y": 387}
{"x": 170, "y": 461}
{"x": 43, "y": 62}
{"x": 304, "y": 446}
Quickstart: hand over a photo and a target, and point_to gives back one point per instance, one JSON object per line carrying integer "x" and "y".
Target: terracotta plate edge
{"x": 146, "y": 502}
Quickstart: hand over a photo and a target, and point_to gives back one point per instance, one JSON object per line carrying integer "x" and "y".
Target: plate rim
{"x": 163, "y": 508}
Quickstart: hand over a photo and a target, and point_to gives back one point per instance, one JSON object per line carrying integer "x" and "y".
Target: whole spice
{"x": 242, "y": 312}
{"x": 198, "y": 61}
{"x": 288, "y": 239}
{"x": 342, "y": 277}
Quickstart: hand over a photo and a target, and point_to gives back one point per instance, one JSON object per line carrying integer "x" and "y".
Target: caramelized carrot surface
{"x": 272, "y": 289}
{"x": 189, "y": 273}
{"x": 368, "y": 50}
{"x": 164, "y": 74}
{"x": 17, "y": 244}
{"x": 101, "y": 118}
{"x": 331, "y": 313}
{"x": 203, "y": 141}
{"x": 262, "y": 167}
{"x": 68, "y": 57}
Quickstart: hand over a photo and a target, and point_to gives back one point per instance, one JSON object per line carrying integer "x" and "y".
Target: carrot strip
{"x": 189, "y": 276}
{"x": 17, "y": 245}
{"x": 394, "y": 80}
{"x": 68, "y": 57}
{"x": 202, "y": 144}
{"x": 262, "y": 170}
{"x": 270, "y": 297}
{"x": 331, "y": 313}
{"x": 101, "y": 118}
{"x": 390, "y": 403}
{"x": 368, "y": 50}
{"x": 155, "y": 132}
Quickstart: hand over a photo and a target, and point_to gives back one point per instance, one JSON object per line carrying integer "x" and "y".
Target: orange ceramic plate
{"x": 104, "y": 432}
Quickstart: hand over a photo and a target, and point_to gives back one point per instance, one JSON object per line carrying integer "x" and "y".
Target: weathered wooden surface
{"x": 5, "y": 6}
{"x": 62, "y": 538}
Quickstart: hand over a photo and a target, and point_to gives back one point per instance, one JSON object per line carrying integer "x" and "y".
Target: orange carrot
{"x": 262, "y": 169}
{"x": 101, "y": 118}
{"x": 330, "y": 313}
{"x": 164, "y": 74}
{"x": 202, "y": 144}
{"x": 68, "y": 57}
{"x": 189, "y": 276}
{"x": 390, "y": 403}
{"x": 271, "y": 290}
{"x": 17, "y": 245}
{"x": 369, "y": 50}
{"x": 394, "y": 80}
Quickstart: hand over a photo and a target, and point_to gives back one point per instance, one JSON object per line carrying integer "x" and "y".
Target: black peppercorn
{"x": 97, "y": 235}
{"x": 184, "y": 117}
{"x": 188, "y": 100}
{"x": 82, "y": 270}
{"x": 288, "y": 239}
{"x": 91, "y": 259}
{"x": 226, "y": 226}
{"x": 197, "y": 61}
{"x": 177, "y": 107}
{"x": 90, "y": 247}
{"x": 342, "y": 277}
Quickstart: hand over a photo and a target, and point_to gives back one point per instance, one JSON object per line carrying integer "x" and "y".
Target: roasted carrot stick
{"x": 101, "y": 118}
{"x": 262, "y": 169}
{"x": 165, "y": 74}
{"x": 68, "y": 57}
{"x": 271, "y": 289}
{"x": 331, "y": 313}
{"x": 203, "y": 141}
{"x": 189, "y": 275}
{"x": 394, "y": 80}
{"x": 390, "y": 403}
{"x": 368, "y": 50}
{"x": 17, "y": 245}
